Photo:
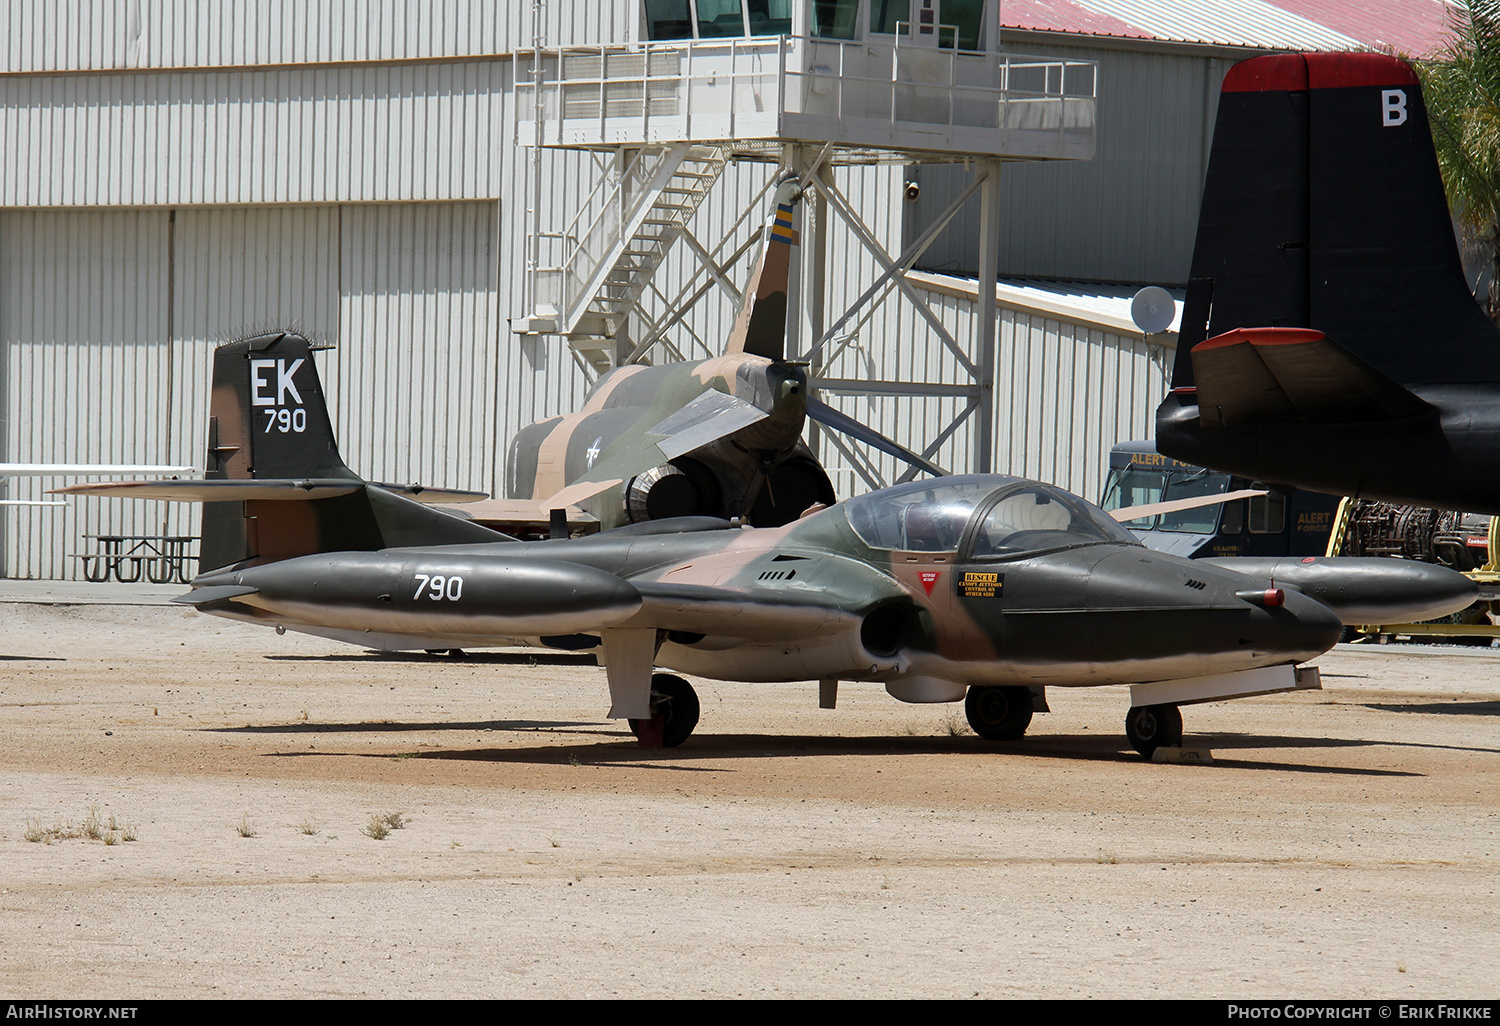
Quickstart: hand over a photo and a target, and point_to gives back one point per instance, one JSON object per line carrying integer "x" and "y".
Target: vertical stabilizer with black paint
{"x": 1323, "y": 208}
{"x": 267, "y": 416}
{"x": 1329, "y": 339}
{"x": 269, "y": 422}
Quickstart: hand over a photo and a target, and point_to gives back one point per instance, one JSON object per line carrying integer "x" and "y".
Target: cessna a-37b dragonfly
{"x": 986, "y": 589}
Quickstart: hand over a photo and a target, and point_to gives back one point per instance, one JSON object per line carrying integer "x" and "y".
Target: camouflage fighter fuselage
{"x": 928, "y": 588}
{"x": 726, "y": 475}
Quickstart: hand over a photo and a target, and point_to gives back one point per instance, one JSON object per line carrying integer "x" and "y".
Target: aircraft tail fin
{"x": 1323, "y": 208}
{"x": 275, "y": 485}
{"x": 267, "y": 416}
{"x": 760, "y": 327}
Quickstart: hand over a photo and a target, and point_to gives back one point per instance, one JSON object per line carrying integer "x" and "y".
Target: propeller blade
{"x": 844, "y": 424}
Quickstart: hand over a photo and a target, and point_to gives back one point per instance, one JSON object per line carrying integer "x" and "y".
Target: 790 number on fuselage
{"x": 438, "y": 587}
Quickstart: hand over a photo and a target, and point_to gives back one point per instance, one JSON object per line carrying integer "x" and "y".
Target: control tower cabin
{"x": 879, "y": 79}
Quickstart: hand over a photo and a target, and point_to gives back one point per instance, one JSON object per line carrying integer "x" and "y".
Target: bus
{"x": 1279, "y": 523}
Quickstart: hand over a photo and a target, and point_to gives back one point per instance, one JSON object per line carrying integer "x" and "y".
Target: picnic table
{"x": 163, "y": 558}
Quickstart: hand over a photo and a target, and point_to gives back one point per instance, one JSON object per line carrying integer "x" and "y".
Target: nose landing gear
{"x": 674, "y": 713}
{"x": 1150, "y": 727}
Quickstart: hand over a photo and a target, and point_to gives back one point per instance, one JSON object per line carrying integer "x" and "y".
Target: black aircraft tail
{"x": 275, "y": 485}
{"x": 267, "y": 416}
{"x": 1324, "y": 209}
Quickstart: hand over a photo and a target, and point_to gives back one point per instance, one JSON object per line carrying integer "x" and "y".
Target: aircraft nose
{"x": 1289, "y": 623}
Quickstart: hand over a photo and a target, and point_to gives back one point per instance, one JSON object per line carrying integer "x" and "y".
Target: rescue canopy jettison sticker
{"x": 978, "y": 584}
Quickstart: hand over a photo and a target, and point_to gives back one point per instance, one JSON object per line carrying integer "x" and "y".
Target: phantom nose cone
{"x": 787, "y": 389}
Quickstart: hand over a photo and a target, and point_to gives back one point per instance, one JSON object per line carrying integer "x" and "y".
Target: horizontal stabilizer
{"x": 218, "y": 490}
{"x": 88, "y": 469}
{"x": 709, "y": 417}
{"x": 1260, "y": 375}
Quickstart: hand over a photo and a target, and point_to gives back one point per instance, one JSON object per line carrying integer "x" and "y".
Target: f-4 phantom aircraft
{"x": 720, "y": 437}
{"x": 982, "y": 589}
{"x": 1329, "y": 339}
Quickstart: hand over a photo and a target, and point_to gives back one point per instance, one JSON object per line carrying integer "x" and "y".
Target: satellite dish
{"x": 1152, "y": 309}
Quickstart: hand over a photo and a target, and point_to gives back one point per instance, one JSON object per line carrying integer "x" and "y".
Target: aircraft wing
{"x": 743, "y": 593}
{"x": 738, "y": 612}
{"x": 87, "y": 469}
{"x": 1252, "y": 375}
{"x": 218, "y": 489}
{"x": 709, "y": 417}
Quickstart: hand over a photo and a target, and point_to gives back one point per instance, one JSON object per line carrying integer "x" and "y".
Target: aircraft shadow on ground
{"x": 391, "y": 727}
{"x": 616, "y": 746}
{"x": 1488, "y": 708}
{"x": 538, "y": 658}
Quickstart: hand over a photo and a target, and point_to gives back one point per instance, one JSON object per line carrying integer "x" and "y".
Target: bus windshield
{"x": 1138, "y": 486}
{"x": 1134, "y": 486}
{"x": 1200, "y": 519}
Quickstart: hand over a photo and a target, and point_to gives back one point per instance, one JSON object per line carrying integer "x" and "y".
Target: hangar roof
{"x": 1095, "y": 305}
{"x": 1414, "y": 28}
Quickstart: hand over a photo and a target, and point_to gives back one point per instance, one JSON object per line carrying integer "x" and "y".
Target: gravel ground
{"x": 1345, "y": 843}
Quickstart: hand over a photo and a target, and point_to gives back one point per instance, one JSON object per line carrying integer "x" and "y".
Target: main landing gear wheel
{"x": 999, "y": 714}
{"x": 1150, "y": 727}
{"x": 674, "y": 712}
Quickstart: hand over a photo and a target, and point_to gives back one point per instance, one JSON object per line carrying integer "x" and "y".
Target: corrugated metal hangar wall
{"x": 181, "y": 172}
{"x": 1128, "y": 215}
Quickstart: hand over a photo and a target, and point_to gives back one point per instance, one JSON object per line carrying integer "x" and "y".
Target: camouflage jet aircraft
{"x": 719, "y": 437}
{"x": 1329, "y": 339}
{"x": 986, "y": 589}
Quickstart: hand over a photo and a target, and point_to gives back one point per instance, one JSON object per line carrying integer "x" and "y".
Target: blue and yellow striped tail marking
{"x": 781, "y": 227}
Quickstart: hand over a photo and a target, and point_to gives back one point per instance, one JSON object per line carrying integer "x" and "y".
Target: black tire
{"x": 673, "y": 699}
{"x": 1150, "y": 727}
{"x": 999, "y": 714}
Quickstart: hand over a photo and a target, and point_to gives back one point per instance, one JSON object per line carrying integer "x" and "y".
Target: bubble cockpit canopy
{"x": 1015, "y": 517}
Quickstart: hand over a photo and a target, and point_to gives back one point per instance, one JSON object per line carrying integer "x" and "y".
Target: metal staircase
{"x": 619, "y": 237}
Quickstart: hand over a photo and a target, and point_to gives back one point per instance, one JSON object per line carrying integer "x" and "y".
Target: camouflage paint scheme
{"x": 931, "y": 588}
{"x": 609, "y": 440}
{"x": 746, "y": 459}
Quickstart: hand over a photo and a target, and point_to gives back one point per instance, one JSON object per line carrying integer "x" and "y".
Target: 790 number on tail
{"x": 286, "y": 420}
{"x": 439, "y": 587}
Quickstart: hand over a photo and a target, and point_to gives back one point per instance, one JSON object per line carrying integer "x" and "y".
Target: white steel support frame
{"x": 807, "y": 303}
{"x": 813, "y": 103}
{"x": 978, "y": 360}
{"x": 710, "y": 272}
